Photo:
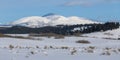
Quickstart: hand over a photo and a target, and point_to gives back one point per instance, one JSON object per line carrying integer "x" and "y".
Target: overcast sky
{"x": 100, "y": 10}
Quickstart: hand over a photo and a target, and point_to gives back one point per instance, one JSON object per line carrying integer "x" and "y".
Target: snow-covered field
{"x": 102, "y": 46}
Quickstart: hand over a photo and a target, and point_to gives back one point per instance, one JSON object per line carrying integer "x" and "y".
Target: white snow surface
{"x": 25, "y": 49}
{"x": 52, "y": 20}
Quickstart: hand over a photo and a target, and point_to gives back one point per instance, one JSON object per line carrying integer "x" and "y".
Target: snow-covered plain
{"x": 99, "y": 48}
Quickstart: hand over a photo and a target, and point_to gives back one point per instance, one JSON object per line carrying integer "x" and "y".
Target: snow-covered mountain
{"x": 50, "y": 20}
{"x": 33, "y": 21}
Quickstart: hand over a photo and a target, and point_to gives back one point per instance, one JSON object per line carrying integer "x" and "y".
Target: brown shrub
{"x": 83, "y": 41}
{"x": 90, "y": 51}
{"x": 37, "y": 47}
{"x": 11, "y": 46}
{"x": 91, "y": 47}
{"x": 106, "y": 53}
{"x": 73, "y": 51}
{"x": 32, "y": 52}
{"x": 119, "y": 50}
{"x": 51, "y": 47}
{"x": 46, "y": 47}
{"x": 64, "y": 47}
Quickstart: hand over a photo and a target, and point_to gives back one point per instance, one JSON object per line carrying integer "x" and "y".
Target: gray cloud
{"x": 89, "y": 2}
{"x": 77, "y": 2}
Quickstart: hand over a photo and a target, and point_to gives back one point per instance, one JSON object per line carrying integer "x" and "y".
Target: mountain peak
{"x": 49, "y": 14}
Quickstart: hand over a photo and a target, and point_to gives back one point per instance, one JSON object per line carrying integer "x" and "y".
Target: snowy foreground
{"x": 102, "y": 46}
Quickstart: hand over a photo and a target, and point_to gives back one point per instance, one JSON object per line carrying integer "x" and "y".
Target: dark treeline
{"x": 62, "y": 29}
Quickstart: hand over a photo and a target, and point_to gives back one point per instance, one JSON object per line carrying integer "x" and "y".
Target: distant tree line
{"x": 62, "y": 29}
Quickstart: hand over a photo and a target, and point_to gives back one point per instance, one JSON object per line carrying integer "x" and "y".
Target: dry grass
{"x": 20, "y": 37}
{"x": 59, "y": 37}
{"x": 109, "y": 38}
{"x": 56, "y": 36}
{"x": 109, "y": 34}
{"x": 2, "y": 35}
